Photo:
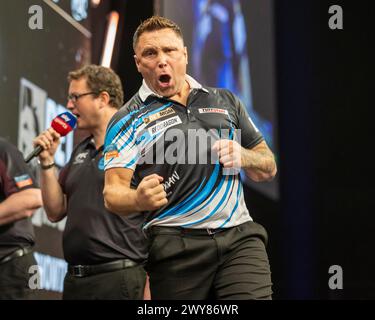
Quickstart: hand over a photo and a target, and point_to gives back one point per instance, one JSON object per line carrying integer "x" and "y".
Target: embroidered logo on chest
{"x": 158, "y": 115}
{"x": 164, "y": 125}
{"x": 213, "y": 110}
{"x": 81, "y": 157}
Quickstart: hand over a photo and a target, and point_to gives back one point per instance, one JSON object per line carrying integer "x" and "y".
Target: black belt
{"x": 155, "y": 230}
{"x": 16, "y": 254}
{"x": 84, "y": 271}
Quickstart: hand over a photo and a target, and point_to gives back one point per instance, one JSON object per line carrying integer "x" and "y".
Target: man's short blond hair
{"x": 155, "y": 23}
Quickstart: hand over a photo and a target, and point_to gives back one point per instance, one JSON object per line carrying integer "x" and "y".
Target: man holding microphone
{"x": 105, "y": 252}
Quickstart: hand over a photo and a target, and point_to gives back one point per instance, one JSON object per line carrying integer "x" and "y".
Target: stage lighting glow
{"x": 95, "y": 3}
{"x": 110, "y": 39}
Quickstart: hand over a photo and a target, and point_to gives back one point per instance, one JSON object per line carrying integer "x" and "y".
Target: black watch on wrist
{"x": 47, "y": 166}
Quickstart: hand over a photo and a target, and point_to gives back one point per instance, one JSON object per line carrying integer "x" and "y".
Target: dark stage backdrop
{"x": 325, "y": 81}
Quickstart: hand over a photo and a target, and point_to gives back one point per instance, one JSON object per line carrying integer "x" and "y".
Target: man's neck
{"x": 98, "y": 133}
{"x": 182, "y": 96}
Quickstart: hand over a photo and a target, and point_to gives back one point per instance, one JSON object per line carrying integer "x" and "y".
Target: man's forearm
{"x": 259, "y": 164}
{"x": 120, "y": 200}
{"x": 20, "y": 205}
{"x": 53, "y": 196}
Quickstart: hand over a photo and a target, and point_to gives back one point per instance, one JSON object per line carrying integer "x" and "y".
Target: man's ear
{"x": 136, "y": 62}
{"x": 104, "y": 98}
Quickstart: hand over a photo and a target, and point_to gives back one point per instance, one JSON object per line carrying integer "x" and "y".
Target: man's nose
{"x": 70, "y": 105}
{"x": 163, "y": 60}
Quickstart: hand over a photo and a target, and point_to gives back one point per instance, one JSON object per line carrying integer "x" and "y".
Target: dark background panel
{"x": 324, "y": 80}
{"x": 345, "y": 186}
{"x": 296, "y": 62}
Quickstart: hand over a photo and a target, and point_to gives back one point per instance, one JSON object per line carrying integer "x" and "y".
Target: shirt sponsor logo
{"x": 171, "y": 181}
{"x": 158, "y": 115}
{"x": 23, "y": 181}
{"x": 163, "y": 125}
{"x": 212, "y": 110}
{"x": 111, "y": 152}
{"x": 80, "y": 158}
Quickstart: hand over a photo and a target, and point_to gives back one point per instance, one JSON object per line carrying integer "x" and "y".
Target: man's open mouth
{"x": 165, "y": 79}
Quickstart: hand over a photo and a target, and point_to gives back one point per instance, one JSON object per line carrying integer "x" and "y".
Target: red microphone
{"x": 62, "y": 124}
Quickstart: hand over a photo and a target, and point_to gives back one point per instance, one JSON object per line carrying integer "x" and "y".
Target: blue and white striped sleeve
{"x": 120, "y": 149}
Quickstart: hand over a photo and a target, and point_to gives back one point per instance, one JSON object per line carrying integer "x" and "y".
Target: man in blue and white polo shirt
{"x": 203, "y": 242}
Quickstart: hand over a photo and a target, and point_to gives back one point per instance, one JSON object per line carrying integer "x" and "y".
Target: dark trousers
{"x": 230, "y": 264}
{"x": 14, "y": 279}
{"x": 124, "y": 284}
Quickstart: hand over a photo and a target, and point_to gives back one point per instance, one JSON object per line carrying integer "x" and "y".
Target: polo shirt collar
{"x": 144, "y": 91}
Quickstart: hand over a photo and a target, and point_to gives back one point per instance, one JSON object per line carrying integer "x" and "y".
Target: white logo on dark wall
{"x": 31, "y": 114}
{"x": 36, "y": 112}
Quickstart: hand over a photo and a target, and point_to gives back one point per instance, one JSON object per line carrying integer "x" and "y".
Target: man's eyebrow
{"x": 148, "y": 49}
